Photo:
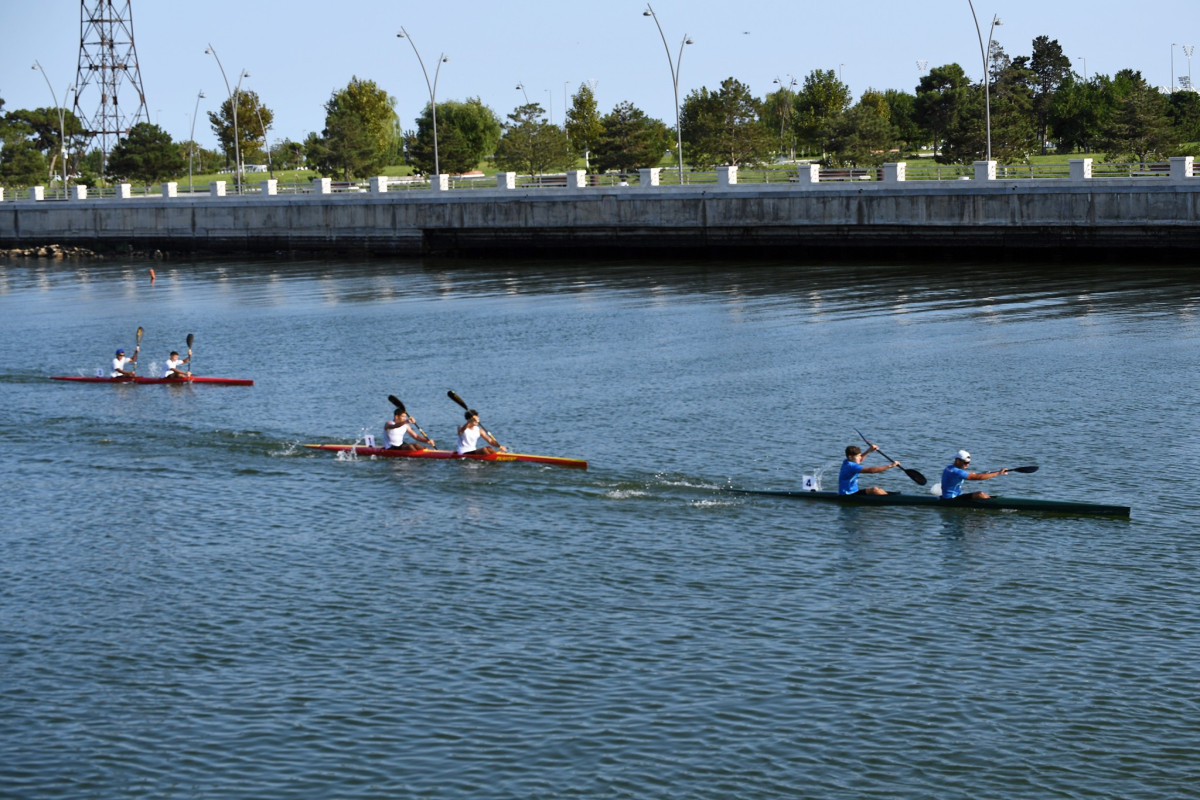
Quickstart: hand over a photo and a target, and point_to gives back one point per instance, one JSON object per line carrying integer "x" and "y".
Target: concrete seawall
{"x": 1108, "y": 218}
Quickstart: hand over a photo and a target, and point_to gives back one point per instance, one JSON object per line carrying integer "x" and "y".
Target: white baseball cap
{"x": 963, "y": 455}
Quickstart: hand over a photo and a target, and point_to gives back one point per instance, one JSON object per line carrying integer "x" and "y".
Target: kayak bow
{"x": 384, "y": 452}
{"x": 991, "y": 504}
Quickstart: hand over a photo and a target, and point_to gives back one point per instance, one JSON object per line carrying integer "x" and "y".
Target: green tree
{"x": 467, "y": 133}
{"x": 864, "y": 135}
{"x": 941, "y": 102}
{"x": 146, "y": 155}
{"x": 361, "y": 135}
{"x": 630, "y": 140}
{"x": 41, "y": 127}
{"x": 1014, "y": 121}
{"x": 819, "y": 103}
{"x": 530, "y": 144}
{"x": 1185, "y": 115}
{"x": 902, "y": 110}
{"x": 778, "y": 108}
{"x": 1140, "y": 128}
{"x": 21, "y": 164}
{"x": 288, "y": 154}
{"x": 724, "y": 127}
{"x": 584, "y": 126}
{"x": 1080, "y": 112}
{"x": 251, "y": 133}
{"x": 1049, "y": 69}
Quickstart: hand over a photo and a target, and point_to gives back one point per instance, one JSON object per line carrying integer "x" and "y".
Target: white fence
{"x": 1176, "y": 170}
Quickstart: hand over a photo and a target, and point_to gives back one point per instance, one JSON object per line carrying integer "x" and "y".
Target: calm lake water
{"x": 194, "y": 606}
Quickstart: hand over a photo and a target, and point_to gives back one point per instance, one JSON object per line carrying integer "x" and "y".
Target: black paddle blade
{"x": 190, "y": 338}
{"x": 396, "y": 402}
{"x": 1023, "y": 469}
{"x": 917, "y": 477}
{"x": 458, "y": 400}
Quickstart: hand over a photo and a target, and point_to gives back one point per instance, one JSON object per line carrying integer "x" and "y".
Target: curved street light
{"x": 403, "y": 34}
{"x": 674, "y": 65}
{"x": 62, "y": 125}
{"x": 192, "y": 138}
{"x": 987, "y": 75}
{"x": 788, "y": 88}
{"x": 237, "y": 150}
{"x": 521, "y": 86}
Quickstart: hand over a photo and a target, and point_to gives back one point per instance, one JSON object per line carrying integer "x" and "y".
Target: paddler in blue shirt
{"x": 954, "y": 475}
{"x": 852, "y": 467}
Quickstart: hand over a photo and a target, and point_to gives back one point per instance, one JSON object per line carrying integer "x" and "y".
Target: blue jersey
{"x": 848, "y": 477}
{"x": 952, "y": 481}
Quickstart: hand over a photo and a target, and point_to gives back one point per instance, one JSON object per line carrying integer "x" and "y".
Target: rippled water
{"x": 193, "y": 605}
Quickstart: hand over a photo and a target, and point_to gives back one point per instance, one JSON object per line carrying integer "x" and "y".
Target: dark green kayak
{"x": 933, "y": 501}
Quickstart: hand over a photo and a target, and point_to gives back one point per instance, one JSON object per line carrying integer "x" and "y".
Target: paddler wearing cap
{"x": 954, "y": 475}
{"x": 119, "y": 363}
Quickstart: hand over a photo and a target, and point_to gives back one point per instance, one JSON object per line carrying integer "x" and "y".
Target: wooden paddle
{"x": 917, "y": 477}
{"x": 190, "y": 338}
{"x": 400, "y": 407}
{"x": 460, "y": 401}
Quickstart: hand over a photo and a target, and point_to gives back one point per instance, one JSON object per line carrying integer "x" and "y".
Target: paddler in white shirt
{"x": 172, "y": 368}
{"x": 469, "y": 434}
{"x": 396, "y": 429}
{"x": 119, "y": 363}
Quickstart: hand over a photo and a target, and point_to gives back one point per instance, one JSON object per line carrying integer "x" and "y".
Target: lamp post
{"x": 565, "y": 102}
{"x": 237, "y": 149}
{"x": 266, "y": 145}
{"x": 192, "y": 138}
{"x": 550, "y": 104}
{"x": 675, "y": 67}
{"x": 1188, "y": 49}
{"x": 62, "y": 124}
{"x": 403, "y": 34}
{"x": 1084, "y": 60}
{"x": 987, "y": 75}
{"x": 1173, "y": 46}
{"x": 521, "y": 86}
{"x": 787, "y": 116}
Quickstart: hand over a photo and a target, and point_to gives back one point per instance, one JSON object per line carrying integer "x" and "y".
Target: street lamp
{"x": 987, "y": 75}
{"x": 1173, "y": 46}
{"x": 192, "y": 138}
{"x": 550, "y": 104}
{"x": 1084, "y": 60}
{"x": 675, "y": 66}
{"x": 403, "y": 34}
{"x": 1188, "y": 49}
{"x": 62, "y": 125}
{"x": 922, "y": 65}
{"x": 787, "y": 115}
{"x": 521, "y": 86}
{"x": 237, "y": 149}
{"x": 565, "y": 102}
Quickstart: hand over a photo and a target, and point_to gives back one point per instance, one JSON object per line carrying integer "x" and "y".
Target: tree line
{"x": 1037, "y": 103}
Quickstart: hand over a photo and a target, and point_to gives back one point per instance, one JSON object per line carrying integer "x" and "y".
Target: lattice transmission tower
{"x": 108, "y": 72}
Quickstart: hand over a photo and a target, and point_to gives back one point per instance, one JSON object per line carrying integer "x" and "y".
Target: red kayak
{"x": 140, "y": 380}
{"x": 383, "y": 452}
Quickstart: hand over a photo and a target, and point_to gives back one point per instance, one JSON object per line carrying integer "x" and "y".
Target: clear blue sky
{"x": 299, "y": 52}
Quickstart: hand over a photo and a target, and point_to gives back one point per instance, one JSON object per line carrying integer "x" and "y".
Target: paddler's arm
{"x": 983, "y": 476}
{"x": 880, "y": 468}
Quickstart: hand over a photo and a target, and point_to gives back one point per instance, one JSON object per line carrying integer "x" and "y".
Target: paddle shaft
{"x": 915, "y": 476}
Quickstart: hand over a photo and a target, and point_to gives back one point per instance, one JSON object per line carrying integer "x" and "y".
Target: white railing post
{"x": 124, "y": 191}
{"x": 895, "y": 173}
{"x": 649, "y": 176}
{"x": 37, "y": 192}
{"x": 170, "y": 189}
{"x": 576, "y": 179}
{"x": 217, "y": 188}
{"x": 1080, "y": 169}
{"x": 78, "y": 192}
{"x": 322, "y": 185}
{"x": 506, "y": 180}
{"x": 269, "y": 187}
{"x": 1181, "y": 168}
{"x": 379, "y": 184}
{"x": 809, "y": 174}
{"x": 985, "y": 170}
{"x": 1, "y": 194}
{"x": 727, "y": 176}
